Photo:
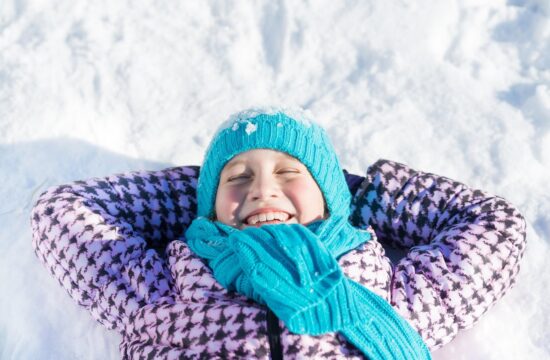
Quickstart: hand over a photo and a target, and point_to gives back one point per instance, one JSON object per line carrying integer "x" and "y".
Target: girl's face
{"x": 263, "y": 186}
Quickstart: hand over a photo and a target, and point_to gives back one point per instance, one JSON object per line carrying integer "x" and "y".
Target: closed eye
{"x": 288, "y": 171}
{"x": 238, "y": 177}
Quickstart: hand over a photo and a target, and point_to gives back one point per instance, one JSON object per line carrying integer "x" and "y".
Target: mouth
{"x": 267, "y": 217}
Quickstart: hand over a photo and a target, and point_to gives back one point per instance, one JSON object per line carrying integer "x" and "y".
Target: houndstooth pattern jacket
{"x": 116, "y": 245}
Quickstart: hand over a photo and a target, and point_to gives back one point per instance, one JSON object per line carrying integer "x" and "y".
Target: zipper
{"x": 274, "y": 336}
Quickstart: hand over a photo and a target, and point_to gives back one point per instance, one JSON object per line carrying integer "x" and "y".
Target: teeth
{"x": 254, "y": 219}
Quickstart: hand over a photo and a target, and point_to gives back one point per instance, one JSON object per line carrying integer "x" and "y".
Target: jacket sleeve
{"x": 203, "y": 321}
{"x": 104, "y": 239}
{"x": 464, "y": 246}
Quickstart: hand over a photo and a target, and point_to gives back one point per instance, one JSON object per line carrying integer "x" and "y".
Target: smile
{"x": 272, "y": 217}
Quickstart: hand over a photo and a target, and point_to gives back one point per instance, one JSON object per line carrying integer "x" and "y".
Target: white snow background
{"x": 460, "y": 88}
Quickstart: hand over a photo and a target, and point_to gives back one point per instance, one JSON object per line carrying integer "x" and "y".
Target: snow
{"x": 458, "y": 88}
{"x": 250, "y": 128}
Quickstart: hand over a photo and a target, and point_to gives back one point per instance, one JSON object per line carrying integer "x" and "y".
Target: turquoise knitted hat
{"x": 292, "y": 132}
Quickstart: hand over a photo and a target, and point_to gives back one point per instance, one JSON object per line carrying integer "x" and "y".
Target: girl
{"x": 271, "y": 265}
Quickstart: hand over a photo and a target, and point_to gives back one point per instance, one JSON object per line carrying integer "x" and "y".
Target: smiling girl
{"x": 283, "y": 257}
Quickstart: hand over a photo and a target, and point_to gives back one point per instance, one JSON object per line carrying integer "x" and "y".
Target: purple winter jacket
{"x": 116, "y": 245}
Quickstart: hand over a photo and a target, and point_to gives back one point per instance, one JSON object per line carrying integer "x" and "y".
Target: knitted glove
{"x": 385, "y": 335}
{"x": 297, "y": 277}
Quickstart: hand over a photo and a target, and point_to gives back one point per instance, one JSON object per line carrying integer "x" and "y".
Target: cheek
{"x": 227, "y": 202}
{"x": 309, "y": 200}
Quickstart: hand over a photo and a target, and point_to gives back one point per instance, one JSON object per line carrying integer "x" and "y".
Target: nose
{"x": 263, "y": 187}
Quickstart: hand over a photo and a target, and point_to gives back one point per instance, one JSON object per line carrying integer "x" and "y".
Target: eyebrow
{"x": 232, "y": 164}
{"x": 283, "y": 157}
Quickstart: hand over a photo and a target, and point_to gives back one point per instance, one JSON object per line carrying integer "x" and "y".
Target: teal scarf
{"x": 293, "y": 270}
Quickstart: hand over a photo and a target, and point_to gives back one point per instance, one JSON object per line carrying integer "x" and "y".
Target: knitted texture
{"x": 289, "y": 131}
{"x": 292, "y": 269}
{"x": 285, "y": 266}
{"x": 446, "y": 225}
{"x": 217, "y": 243}
{"x": 297, "y": 136}
{"x": 297, "y": 276}
{"x": 400, "y": 340}
{"x": 288, "y": 268}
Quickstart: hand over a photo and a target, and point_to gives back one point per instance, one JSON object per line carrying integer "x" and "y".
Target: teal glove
{"x": 297, "y": 277}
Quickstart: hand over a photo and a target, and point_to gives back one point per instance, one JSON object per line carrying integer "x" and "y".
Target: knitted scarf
{"x": 374, "y": 327}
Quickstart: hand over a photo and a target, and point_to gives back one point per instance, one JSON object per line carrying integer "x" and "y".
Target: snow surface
{"x": 460, "y": 88}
